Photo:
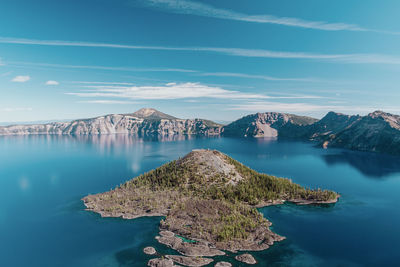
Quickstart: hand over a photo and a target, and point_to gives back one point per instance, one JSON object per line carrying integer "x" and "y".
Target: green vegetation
{"x": 253, "y": 189}
{"x": 239, "y": 223}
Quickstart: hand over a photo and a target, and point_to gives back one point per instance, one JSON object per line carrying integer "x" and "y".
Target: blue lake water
{"x": 43, "y": 222}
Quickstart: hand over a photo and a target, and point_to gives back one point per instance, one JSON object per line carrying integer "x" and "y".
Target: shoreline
{"x": 202, "y": 249}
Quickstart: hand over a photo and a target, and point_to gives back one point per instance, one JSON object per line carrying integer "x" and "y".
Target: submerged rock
{"x": 149, "y": 250}
{"x": 190, "y": 261}
{"x": 246, "y": 258}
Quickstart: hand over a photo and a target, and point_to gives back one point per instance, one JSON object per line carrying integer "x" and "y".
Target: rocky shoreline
{"x": 200, "y": 252}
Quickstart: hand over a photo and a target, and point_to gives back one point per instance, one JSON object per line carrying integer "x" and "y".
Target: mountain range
{"x": 375, "y": 132}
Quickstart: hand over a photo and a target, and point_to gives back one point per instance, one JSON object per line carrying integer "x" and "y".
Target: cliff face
{"x": 377, "y": 132}
{"x": 145, "y": 122}
{"x": 270, "y": 124}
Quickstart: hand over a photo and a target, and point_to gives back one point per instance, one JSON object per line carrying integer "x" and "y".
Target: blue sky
{"x": 211, "y": 59}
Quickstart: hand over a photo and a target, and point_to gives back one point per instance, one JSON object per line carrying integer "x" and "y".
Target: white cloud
{"x": 168, "y": 91}
{"x": 172, "y": 91}
{"x": 52, "y": 82}
{"x": 205, "y": 10}
{"x": 21, "y": 79}
{"x": 258, "y": 53}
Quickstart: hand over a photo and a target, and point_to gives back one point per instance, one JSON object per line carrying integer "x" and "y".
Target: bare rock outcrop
{"x": 149, "y": 250}
{"x": 223, "y": 264}
{"x": 246, "y": 258}
{"x": 197, "y": 249}
{"x": 161, "y": 262}
{"x": 190, "y": 261}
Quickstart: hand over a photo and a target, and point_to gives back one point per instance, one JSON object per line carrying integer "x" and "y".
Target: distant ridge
{"x": 268, "y": 124}
{"x": 146, "y": 122}
{"x": 377, "y": 132}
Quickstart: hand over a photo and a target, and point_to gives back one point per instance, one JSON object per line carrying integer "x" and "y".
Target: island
{"x": 208, "y": 202}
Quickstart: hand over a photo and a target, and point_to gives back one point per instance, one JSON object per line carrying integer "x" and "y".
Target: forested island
{"x": 208, "y": 201}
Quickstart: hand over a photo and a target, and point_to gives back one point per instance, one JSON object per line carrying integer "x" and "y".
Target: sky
{"x": 219, "y": 59}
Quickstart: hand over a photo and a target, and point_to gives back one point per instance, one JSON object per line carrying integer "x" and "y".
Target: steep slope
{"x": 376, "y": 132}
{"x": 332, "y": 123}
{"x": 270, "y": 124}
{"x": 144, "y": 122}
{"x": 207, "y": 197}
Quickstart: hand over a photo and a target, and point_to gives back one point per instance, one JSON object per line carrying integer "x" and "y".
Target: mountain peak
{"x": 393, "y": 120}
{"x": 379, "y": 113}
{"x": 151, "y": 113}
{"x": 145, "y": 112}
{"x": 212, "y": 163}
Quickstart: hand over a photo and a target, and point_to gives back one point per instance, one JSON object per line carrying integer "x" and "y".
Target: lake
{"x": 43, "y": 222}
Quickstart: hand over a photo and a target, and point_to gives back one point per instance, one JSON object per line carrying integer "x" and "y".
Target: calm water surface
{"x": 43, "y": 178}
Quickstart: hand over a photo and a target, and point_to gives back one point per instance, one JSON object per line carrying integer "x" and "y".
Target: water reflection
{"x": 370, "y": 164}
{"x": 102, "y": 142}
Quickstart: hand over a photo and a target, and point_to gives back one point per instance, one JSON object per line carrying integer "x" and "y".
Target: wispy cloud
{"x": 52, "y": 82}
{"x": 195, "y": 72}
{"x": 6, "y": 73}
{"x": 252, "y": 76}
{"x": 21, "y": 79}
{"x": 205, "y": 10}
{"x": 240, "y": 52}
{"x": 107, "y": 83}
{"x": 109, "y": 102}
{"x": 128, "y": 69}
{"x": 172, "y": 91}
